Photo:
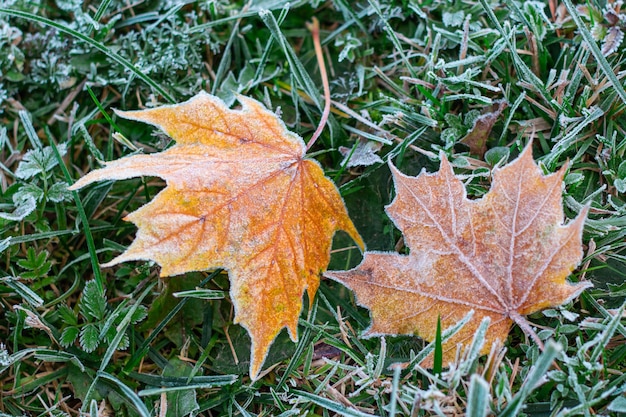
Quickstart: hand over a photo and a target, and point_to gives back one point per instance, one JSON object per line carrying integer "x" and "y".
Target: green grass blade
{"x": 103, "y": 111}
{"x": 438, "y": 353}
{"x": 101, "y": 9}
{"x": 35, "y": 384}
{"x": 81, "y": 213}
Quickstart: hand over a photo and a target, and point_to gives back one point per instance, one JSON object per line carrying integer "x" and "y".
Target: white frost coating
{"x": 504, "y": 255}
{"x": 398, "y": 178}
{"x": 240, "y": 195}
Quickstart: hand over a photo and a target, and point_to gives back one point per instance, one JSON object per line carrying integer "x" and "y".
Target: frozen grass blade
{"x": 473, "y": 352}
{"x": 23, "y": 291}
{"x": 299, "y": 73}
{"x": 572, "y": 137}
{"x": 226, "y": 58}
{"x": 201, "y": 294}
{"x": 93, "y": 409}
{"x": 395, "y": 382}
{"x": 330, "y": 405}
{"x": 249, "y": 12}
{"x": 519, "y": 100}
{"x": 30, "y": 130}
{"x": 174, "y": 382}
{"x": 184, "y": 386}
{"x": 478, "y": 397}
{"x": 90, "y": 144}
{"x": 303, "y": 343}
{"x": 126, "y": 392}
{"x": 49, "y": 355}
{"x": 4, "y": 244}
{"x": 614, "y": 319}
{"x": 121, "y": 328}
{"x": 607, "y": 334}
{"x": 392, "y": 36}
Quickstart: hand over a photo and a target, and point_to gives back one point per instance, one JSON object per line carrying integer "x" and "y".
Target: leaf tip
{"x": 85, "y": 180}
{"x": 445, "y": 166}
{"x": 356, "y": 237}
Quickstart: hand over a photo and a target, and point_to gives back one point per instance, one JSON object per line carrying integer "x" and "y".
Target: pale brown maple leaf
{"x": 242, "y": 196}
{"x": 504, "y": 256}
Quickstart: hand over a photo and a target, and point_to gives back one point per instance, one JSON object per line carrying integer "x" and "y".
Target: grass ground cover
{"x": 475, "y": 80}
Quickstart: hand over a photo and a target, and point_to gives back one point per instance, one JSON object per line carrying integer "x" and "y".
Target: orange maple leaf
{"x": 504, "y": 256}
{"x": 240, "y": 195}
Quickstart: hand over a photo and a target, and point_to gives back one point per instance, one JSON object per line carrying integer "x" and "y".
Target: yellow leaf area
{"x": 503, "y": 256}
{"x": 239, "y": 196}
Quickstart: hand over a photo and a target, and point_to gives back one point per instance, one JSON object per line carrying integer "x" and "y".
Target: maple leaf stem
{"x": 526, "y": 328}
{"x": 314, "y": 27}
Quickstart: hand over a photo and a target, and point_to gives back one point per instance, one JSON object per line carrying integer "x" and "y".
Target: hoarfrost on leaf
{"x": 364, "y": 154}
{"x": 58, "y": 192}
{"x": 504, "y": 256}
{"x": 453, "y": 19}
{"x": 24, "y": 205}
{"x": 240, "y": 195}
{"x": 38, "y": 161}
